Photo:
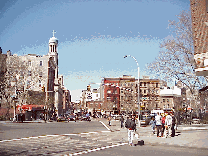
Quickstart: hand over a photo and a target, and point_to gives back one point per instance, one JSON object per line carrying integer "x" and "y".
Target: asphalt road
{"x": 71, "y": 144}
{"x": 149, "y": 150}
{"x": 20, "y": 130}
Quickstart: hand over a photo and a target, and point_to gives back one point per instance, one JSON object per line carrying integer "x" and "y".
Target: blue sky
{"x": 93, "y": 35}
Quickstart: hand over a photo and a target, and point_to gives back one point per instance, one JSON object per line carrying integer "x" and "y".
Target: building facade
{"x": 31, "y": 75}
{"x": 170, "y": 98}
{"x": 88, "y": 97}
{"x": 199, "y": 15}
{"x": 121, "y": 94}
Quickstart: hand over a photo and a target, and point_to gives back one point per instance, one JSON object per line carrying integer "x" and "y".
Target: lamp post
{"x": 139, "y": 106}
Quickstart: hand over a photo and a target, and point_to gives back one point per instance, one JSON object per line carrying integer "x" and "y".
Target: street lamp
{"x": 139, "y": 106}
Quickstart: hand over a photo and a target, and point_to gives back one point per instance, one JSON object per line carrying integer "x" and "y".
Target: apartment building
{"x": 121, "y": 94}
{"x": 199, "y": 15}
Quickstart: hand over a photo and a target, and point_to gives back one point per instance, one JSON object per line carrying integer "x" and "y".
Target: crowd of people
{"x": 164, "y": 124}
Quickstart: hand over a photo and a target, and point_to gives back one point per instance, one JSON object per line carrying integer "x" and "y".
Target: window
{"x": 145, "y": 91}
{"x": 39, "y": 83}
{"x": 167, "y": 100}
{"x": 29, "y": 73}
{"x": 41, "y": 63}
{"x": 29, "y": 63}
{"x": 157, "y": 85}
{"x": 163, "y": 100}
{"x": 145, "y": 84}
{"x": 40, "y": 74}
{"x": 140, "y": 83}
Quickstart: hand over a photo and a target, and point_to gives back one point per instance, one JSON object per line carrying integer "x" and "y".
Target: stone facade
{"x": 38, "y": 74}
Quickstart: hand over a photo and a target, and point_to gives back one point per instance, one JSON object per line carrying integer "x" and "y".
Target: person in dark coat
{"x": 131, "y": 126}
{"x": 121, "y": 122}
{"x": 173, "y": 126}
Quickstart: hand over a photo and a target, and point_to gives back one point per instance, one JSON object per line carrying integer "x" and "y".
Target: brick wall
{"x": 199, "y": 15}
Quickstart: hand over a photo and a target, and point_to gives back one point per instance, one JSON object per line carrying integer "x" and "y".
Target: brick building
{"x": 111, "y": 95}
{"x": 199, "y": 15}
{"x": 121, "y": 94}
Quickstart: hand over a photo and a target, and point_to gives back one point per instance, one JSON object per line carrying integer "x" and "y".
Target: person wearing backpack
{"x": 130, "y": 125}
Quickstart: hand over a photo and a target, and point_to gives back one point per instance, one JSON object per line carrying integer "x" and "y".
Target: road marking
{"x": 104, "y": 125}
{"x": 84, "y": 133}
{"x": 69, "y": 134}
{"x": 105, "y": 131}
{"x": 95, "y": 149}
{"x": 93, "y": 132}
{"x": 75, "y": 134}
{"x": 53, "y": 135}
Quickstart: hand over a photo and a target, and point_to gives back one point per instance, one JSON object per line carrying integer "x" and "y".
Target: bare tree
{"x": 176, "y": 60}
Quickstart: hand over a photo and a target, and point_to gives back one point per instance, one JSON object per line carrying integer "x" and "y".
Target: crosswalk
{"x": 59, "y": 145}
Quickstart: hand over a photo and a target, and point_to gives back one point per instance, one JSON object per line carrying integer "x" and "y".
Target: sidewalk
{"x": 195, "y": 136}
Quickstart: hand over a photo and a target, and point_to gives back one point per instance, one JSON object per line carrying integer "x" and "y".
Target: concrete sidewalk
{"x": 195, "y": 136}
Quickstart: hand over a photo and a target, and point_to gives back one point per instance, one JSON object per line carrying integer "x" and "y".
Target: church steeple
{"x": 53, "y": 43}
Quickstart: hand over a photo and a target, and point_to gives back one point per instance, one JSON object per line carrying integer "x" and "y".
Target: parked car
{"x": 196, "y": 121}
{"x": 71, "y": 118}
{"x": 145, "y": 120}
{"x": 116, "y": 117}
{"x": 86, "y": 118}
{"x": 61, "y": 119}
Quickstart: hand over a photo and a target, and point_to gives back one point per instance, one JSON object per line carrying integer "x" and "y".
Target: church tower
{"x": 53, "y": 44}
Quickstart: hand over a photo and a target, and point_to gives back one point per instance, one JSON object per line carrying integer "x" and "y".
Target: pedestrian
{"x": 163, "y": 125}
{"x": 153, "y": 124}
{"x": 158, "y": 123}
{"x": 121, "y": 122}
{"x": 109, "y": 120}
{"x": 130, "y": 125}
{"x": 173, "y": 126}
{"x": 134, "y": 123}
{"x": 168, "y": 124}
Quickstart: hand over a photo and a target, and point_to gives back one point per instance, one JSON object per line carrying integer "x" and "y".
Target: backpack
{"x": 128, "y": 123}
{"x": 133, "y": 125}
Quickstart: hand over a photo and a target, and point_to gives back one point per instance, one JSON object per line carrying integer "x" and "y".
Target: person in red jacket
{"x": 163, "y": 125}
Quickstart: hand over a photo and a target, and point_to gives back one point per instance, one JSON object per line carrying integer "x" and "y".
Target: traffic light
{"x": 43, "y": 89}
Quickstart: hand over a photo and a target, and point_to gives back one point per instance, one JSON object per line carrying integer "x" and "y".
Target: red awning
{"x": 29, "y": 107}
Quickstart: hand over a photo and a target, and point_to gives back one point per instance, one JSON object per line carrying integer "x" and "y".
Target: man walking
{"x": 153, "y": 124}
{"x": 109, "y": 120}
{"x": 168, "y": 123}
{"x": 158, "y": 123}
{"x": 173, "y": 126}
{"x": 121, "y": 121}
{"x": 130, "y": 125}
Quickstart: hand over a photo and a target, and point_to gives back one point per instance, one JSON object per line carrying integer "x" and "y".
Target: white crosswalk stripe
{"x": 66, "y": 144}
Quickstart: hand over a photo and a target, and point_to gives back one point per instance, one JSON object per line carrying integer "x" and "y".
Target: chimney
{"x": 9, "y": 53}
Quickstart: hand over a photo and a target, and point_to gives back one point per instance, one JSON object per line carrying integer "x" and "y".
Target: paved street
{"x": 72, "y": 139}
{"x": 11, "y": 130}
